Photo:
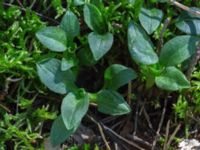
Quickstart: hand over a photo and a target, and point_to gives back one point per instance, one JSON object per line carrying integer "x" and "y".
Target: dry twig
{"x": 139, "y": 140}
{"x": 5, "y": 108}
{"x": 186, "y": 8}
{"x": 160, "y": 125}
{"x": 160, "y": 42}
{"x": 166, "y": 135}
{"x": 172, "y": 136}
{"x": 136, "y": 117}
{"x": 194, "y": 61}
{"x": 101, "y": 132}
{"x": 115, "y": 134}
{"x": 19, "y": 2}
{"x": 129, "y": 92}
{"x": 122, "y": 138}
{"x": 38, "y": 14}
{"x": 147, "y": 118}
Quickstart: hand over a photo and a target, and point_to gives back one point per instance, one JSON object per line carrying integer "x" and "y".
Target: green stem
{"x": 150, "y": 82}
{"x": 93, "y": 97}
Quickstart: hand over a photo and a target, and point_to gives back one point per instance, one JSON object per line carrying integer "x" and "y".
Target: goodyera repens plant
{"x": 59, "y": 71}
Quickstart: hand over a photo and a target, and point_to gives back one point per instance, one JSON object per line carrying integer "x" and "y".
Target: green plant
{"x": 181, "y": 107}
{"x": 60, "y": 76}
{"x": 17, "y": 57}
{"x": 20, "y": 126}
{"x": 59, "y": 73}
{"x": 23, "y": 130}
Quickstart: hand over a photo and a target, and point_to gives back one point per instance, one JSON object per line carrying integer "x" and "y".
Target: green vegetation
{"x": 66, "y": 64}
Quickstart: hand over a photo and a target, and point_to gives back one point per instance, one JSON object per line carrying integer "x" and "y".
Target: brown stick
{"x": 193, "y": 62}
{"x": 166, "y": 135}
{"x": 160, "y": 125}
{"x": 38, "y": 14}
{"x": 160, "y": 42}
{"x": 139, "y": 140}
{"x": 172, "y": 136}
{"x": 5, "y": 108}
{"x": 114, "y": 133}
{"x": 122, "y": 138}
{"x": 19, "y": 2}
{"x": 148, "y": 119}
{"x": 129, "y": 92}
{"x": 136, "y": 117}
{"x": 186, "y": 8}
{"x": 101, "y": 132}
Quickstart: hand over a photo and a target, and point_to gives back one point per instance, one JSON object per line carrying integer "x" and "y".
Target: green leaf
{"x": 53, "y": 38}
{"x": 59, "y": 132}
{"x": 85, "y": 57}
{"x": 94, "y": 19}
{"x": 131, "y": 1}
{"x": 100, "y": 44}
{"x": 70, "y": 25}
{"x": 112, "y": 103}
{"x": 56, "y": 80}
{"x": 118, "y": 75}
{"x": 189, "y": 23}
{"x": 172, "y": 79}
{"x": 163, "y": 1}
{"x": 66, "y": 64}
{"x": 150, "y": 19}
{"x": 78, "y": 2}
{"x": 97, "y": 3}
{"x": 137, "y": 4}
{"x": 73, "y": 109}
{"x": 153, "y": 1}
{"x": 178, "y": 50}
{"x": 140, "y": 45}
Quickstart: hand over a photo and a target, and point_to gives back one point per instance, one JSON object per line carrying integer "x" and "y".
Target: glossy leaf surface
{"x": 70, "y": 25}
{"x": 112, "y": 103}
{"x": 73, "y": 109}
{"x": 59, "y": 132}
{"x": 100, "y": 44}
{"x": 53, "y": 38}
{"x": 51, "y": 75}
{"x": 172, "y": 79}
{"x": 150, "y": 19}
{"x": 140, "y": 45}
{"x": 94, "y": 19}
{"x": 189, "y": 23}
{"x": 178, "y": 49}
{"x": 118, "y": 75}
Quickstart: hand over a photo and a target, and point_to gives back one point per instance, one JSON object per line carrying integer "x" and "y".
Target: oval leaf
{"x": 172, "y": 79}
{"x": 140, "y": 45}
{"x": 94, "y": 19}
{"x": 188, "y": 23}
{"x": 73, "y": 109}
{"x": 100, "y": 44}
{"x": 178, "y": 50}
{"x": 67, "y": 64}
{"x": 112, "y": 103}
{"x": 59, "y": 132}
{"x": 118, "y": 75}
{"x": 85, "y": 57}
{"x": 150, "y": 19}
{"x": 56, "y": 80}
{"x": 70, "y": 25}
{"x": 78, "y": 2}
{"x": 53, "y": 38}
